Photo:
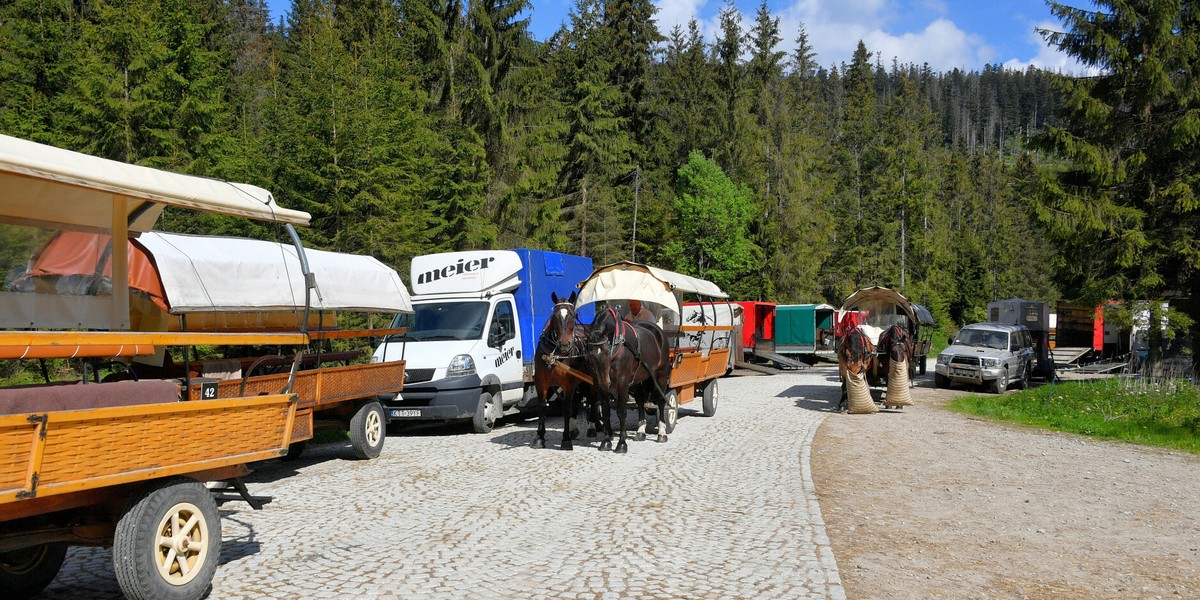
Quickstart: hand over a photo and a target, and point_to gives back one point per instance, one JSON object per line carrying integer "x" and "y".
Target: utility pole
{"x": 637, "y": 184}
{"x": 583, "y": 220}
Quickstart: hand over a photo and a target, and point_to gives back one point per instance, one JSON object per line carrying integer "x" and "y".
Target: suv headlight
{"x": 991, "y": 362}
{"x": 461, "y": 365}
{"x": 944, "y": 359}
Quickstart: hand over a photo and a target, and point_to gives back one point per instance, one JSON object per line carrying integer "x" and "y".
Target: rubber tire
{"x": 672, "y": 417}
{"x": 139, "y": 528}
{"x": 940, "y": 381}
{"x": 26, "y": 572}
{"x": 1025, "y": 375}
{"x": 482, "y": 421}
{"x": 1000, "y": 384}
{"x": 368, "y": 429}
{"x": 295, "y": 449}
{"x": 709, "y": 403}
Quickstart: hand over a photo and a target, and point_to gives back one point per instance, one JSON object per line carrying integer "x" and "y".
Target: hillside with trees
{"x": 415, "y": 126}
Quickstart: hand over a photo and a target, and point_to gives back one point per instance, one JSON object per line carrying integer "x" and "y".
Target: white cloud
{"x": 1048, "y": 58}
{"x": 676, "y": 12}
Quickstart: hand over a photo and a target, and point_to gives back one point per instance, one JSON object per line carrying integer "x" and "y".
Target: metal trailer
{"x": 805, "y": 331}
{"x": 699, "y": 347}
{"x": 119, "y": 463}
{"x": 1035, "y": 316}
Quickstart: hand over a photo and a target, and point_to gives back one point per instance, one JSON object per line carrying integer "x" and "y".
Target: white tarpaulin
{"x": 42, "y": 183}
{"x": 633, "y": 281}
{"x": 204, "y": 274}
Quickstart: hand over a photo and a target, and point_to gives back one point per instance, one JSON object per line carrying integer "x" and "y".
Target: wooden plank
{"x": 759, "y": 368}
{"x": 117, "y": 338}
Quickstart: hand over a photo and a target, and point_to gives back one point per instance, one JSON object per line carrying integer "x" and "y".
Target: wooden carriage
{"x": 878, "y": 308}
{"x": 120, "y": 463}
{"x": 699, "y": 334}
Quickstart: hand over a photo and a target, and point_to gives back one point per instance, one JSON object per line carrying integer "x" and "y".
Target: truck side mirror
{"x": 497, "y": 336}
{"x": 950, "y": 341}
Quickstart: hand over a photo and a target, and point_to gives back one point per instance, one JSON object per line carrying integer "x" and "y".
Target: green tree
{"x": 1126, "y": 208}
{"x": 713, "y": 219}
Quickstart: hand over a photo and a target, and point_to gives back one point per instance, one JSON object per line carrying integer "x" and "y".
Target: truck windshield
{"x": 455, "y": 320}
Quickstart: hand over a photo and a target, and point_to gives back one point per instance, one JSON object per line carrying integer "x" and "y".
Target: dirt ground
{"x": 928, "y": 503}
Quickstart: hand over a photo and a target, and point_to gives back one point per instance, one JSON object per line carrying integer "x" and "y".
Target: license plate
{"x": 404, "y": 412}
{"x": 962, "y": 373}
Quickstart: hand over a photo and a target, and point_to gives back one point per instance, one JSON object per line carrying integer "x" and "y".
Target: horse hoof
{"x": 622, "y": 448}
{"x": 567, "y": 445}
{"x": 639, "y": 437}
{"x": 605, "y": 446}
{"x": 662, "y": 437}
{"x": 538, "y": 443}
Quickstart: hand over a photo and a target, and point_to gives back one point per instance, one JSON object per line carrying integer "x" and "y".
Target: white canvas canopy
{"x": 632, "y": 281}
{"x": 883, "y": 305}
{"x": 44, "y": 184}
{"x": 207, "y": 274}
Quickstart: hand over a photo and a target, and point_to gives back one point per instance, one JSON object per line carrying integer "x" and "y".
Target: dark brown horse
{"x": 855, "y": 355}
{"x": 563, "y": 341}
{"x": 895, "y": 344}
{"x": 626, "y": 357}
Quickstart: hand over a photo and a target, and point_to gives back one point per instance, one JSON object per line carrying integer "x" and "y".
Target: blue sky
{"x": 966, "y": 34}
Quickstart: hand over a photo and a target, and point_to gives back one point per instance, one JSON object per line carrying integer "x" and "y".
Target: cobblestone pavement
{"x": 724, "y": 509}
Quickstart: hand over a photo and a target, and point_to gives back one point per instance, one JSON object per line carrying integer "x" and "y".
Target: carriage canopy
{"x": 633, "y": 281}
{"x": 40, "y": 183}
{"x": 885, "y": 307}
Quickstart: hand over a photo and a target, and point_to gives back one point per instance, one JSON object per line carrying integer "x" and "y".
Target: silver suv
{"x": 992, "y": 354}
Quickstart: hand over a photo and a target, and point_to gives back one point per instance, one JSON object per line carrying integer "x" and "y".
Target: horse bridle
{"x": 556, "y": 345}
{"x": 617, "y": 340}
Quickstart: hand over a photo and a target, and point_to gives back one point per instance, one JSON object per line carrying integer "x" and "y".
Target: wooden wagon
{"x": 699, "y": 335}
{"x": 117, "y": 463}
{"x": 878, "y": 308}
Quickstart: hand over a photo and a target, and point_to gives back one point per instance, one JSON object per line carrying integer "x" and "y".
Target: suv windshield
{"x": 442, "y": 321}
{"x": 982, "y": 338}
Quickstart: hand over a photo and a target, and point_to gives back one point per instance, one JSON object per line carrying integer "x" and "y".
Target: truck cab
{"x": 475, "y": 321}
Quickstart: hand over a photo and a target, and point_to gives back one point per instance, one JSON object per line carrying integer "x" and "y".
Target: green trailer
{"x": 804, "y": 330}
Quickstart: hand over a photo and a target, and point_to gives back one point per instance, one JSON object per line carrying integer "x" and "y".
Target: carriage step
{"x": 232, "y": 490}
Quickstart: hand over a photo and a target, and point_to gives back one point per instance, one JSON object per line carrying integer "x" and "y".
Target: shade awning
{"x": 633, "y": 281}
{"x": 206, "y": 274}
{"x": 45, "y": 184}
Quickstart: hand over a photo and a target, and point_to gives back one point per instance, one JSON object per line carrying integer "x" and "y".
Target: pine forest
{"x": 407, "y": 127}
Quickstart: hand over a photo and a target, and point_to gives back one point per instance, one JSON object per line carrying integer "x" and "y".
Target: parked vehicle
{"x": 1035, "y": 316}
{"x": 116, "y": 463}
{"x": 805, "y": 331}
{"x": 992, "y": 354}
{"x": 699, "y": 347}
{"x": 880, "y": 308}
{"x": 470, "y": 340}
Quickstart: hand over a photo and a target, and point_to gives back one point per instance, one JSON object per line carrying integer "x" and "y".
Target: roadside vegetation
{"x": 1163, "y": 413}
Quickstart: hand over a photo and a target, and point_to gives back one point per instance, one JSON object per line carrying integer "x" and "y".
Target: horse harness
{"x": 620, "y": 341}
{"x": 554, "y": 355}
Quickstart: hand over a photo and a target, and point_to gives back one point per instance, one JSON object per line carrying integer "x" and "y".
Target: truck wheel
{"x": 709, "y": 404}
{"x": 483, "y": 421}
{"x": 168, "y": 542}
{"x": 1000, "y": 383}
{"x": 367, "y": 430}
{"x": 668, "y": 421}
{"x": 940, "y": 381}
{"x": 26, "y": 572}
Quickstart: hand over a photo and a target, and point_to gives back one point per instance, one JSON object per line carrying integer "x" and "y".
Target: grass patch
{"x": 1153, "y": 413}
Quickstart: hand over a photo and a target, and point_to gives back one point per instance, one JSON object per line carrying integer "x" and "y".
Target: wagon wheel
{"x": 709, "y": 403}
{"x": 25, "y": 572}
{"x": 168, "y": 542}
{"x": 367, "y": 430}
{"x": 668, "y": 421}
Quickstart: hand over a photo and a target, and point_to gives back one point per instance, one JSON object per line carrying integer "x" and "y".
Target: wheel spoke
{"x": 190, "y": 525}
{"x": 184, "y": 567}
{"x": 168, "y": 559}
{"x": 166, "y": 541}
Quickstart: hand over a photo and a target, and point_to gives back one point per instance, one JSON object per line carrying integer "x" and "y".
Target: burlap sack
{"x": 898, "y": 393}
{"x": 858, "y": 395}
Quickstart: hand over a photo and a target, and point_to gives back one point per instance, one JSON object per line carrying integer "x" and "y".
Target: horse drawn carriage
{"x": 674, "y": 362}
{"x": 881, "y": 337}
{"x": 119, "y": 463}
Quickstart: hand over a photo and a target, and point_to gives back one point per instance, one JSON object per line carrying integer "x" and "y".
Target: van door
{"x": 504, "y": 346}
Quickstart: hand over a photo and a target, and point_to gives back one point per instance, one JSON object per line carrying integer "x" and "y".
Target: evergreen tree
{"x": 1126, "y": 208}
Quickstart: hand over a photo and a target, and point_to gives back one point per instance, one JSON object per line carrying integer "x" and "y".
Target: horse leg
{"x": 606, "y": 439}
{"x": 662, "y": 418}
{"x": 568, "y": 402}
{"x": 539, "y": 439}
{"x": 622, "y": 399}
{"x": 640, "y": 399}
{"x": 593, "y": 416}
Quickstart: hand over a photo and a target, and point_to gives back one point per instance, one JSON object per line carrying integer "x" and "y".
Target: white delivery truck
{"x": 476, "y": 319}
